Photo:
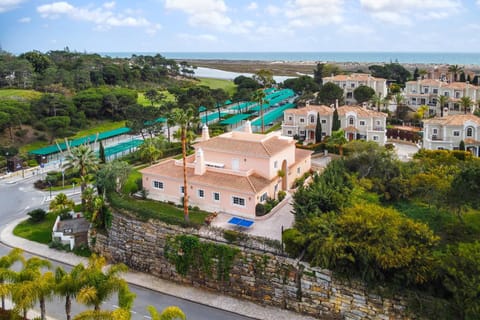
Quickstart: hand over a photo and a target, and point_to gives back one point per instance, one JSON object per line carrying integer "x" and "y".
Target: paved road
{"x": 18, "y": 198}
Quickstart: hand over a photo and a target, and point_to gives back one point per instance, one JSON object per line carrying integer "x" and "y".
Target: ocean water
{"x": 460, "y": 58}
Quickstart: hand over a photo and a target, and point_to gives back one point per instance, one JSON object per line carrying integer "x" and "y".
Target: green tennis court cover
{"x": 235, "y": 119}
{"x": 211, "y": 117}
{"x": 273, "y": 115}
{"x": 74, "y": 143}
{"x": 122, "y": 147}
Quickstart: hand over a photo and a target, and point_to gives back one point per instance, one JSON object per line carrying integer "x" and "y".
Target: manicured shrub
{"x": 281, "y": 195}
{"x": 260, "y": 210}
{"x": 230, "y": 235}
{"x": 37, "y": 215}
{"x": 294, "y": 242}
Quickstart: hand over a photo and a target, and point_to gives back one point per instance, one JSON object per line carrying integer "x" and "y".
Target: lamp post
{"x": 63, "y": 178}
{"x": 73, "y": 185}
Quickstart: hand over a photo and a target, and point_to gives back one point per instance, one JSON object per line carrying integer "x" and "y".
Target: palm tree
{"x": 442, "y": 101}
{"x": 399, "y": 100}
{"x": 455, "y": 69}
{"x": 170, "y": 123}
{"x": 259, "y": 97}
{"x": 61, "y": 203}
{"x": 169, "y": 313}
{"x": 148, "y": 151}
{"x": 466, "y": 102}
{"x": 376, "y": 100}
{"x": 422, "y": 73}
{"x": 83, "y": 158}
{"x": 184, "y": 118}
{"x": 68, "y": 285}
{"x": 337, "y": 139}
{"x": 99, "y": 285}
{"x": 6, "y": 274}
{"x": 31, "y": 286}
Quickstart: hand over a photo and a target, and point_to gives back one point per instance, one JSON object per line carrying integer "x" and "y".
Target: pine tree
{"x": 462, "y": 146}
{"x": 336, "y": 121}
{"x": 101, "y": 153}
{"x": 318, "y": 130}
{"x": 416, "y": 74}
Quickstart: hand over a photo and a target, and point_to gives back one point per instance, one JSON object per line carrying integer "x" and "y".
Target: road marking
{"x": 147, "y": 317}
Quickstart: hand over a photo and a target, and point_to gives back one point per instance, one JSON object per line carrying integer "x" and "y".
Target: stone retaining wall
{"x": 264, "y": 278}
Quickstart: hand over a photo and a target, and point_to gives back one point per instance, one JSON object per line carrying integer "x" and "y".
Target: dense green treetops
{"x": 406, "y": 225}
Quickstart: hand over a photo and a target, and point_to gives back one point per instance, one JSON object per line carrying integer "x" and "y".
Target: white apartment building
{"x": 446, "y": 133}
{"x": 352, "y": 81}
{"x": 357, "y": 122}
{"x": 427, "y": 91}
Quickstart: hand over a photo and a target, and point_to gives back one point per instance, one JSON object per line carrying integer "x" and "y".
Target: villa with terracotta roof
{"x": 446, "y": 133}
{"x": 230, "y": 173}
{"x": 356, "y": 121}
{"x": 352, "y": 81}
{"x": 427, "y": 91}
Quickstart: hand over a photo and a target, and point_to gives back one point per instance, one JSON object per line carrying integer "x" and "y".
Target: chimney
{"x": 200, "y": 167}
{"x": 445, "y": 111}
{"x": 205, "y": 134}
{"x": 248, "y": 127}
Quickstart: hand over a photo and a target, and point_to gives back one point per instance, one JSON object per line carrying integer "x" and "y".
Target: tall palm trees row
{"x": 90, "y": 285}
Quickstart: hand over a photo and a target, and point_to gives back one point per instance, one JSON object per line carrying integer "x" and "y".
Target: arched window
{"x": 312, "y": 119}
{"x": 470, "y": 132}
{"x": 350, "y": 121}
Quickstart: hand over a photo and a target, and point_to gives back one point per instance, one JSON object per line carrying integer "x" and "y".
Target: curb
{"x": 215, "y": 300}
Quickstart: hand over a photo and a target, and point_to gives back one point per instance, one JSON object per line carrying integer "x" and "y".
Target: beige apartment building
{"x": 352, "y": 81}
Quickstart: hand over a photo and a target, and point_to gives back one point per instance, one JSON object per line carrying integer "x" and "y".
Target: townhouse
{"x": 352, "y": 81}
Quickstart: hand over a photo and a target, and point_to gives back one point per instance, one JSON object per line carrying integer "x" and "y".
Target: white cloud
{"x": 102, "y": 17}
{"x": 109, "y": 5}
{"x": 273, "y": 10}
{"x": 198, "y": 37}
{"x": 254, "y": 6}
{"x": 403, "y": 11}
{"x": 209, "y": 13}
{"x": 304, "y": 13}
{"x": 7, "y": 5}
{"x": 25, "y": 20}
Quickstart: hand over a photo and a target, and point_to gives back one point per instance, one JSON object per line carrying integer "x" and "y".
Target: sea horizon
{"x": 460, "y": 58}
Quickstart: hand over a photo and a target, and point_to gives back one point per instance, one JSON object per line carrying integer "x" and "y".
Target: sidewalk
{"x": 190, "y": 293}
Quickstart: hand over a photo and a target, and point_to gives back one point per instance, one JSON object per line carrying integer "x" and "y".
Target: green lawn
{"x": 39, "y": 232}
{"x": 15, "y": 93}
{"x": 150, "y": 209}
{"x": 226, "y": 85}
{"x": 145, "y": 102}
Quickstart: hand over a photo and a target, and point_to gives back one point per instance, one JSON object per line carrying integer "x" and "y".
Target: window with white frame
{"x": 298, "y": 170}
{"x": 289, "y": 132}
{"x": 375, "y": 138}
{"x": 312, "y": 119}
{"x": 182, "y": 190}
{"x": 445, "y": 93}
{"x": 377, "y": 122}
{"x": 350, "y": 121}
{"x": 201, "y": 193}
{"x": 289, "y": 118}
{"x": 216, "y": 196}
{"x": 302, "y": 120}
{"x": 324, "y": 121}
{"x": 470, "y": 132}
{"x": 238, "y": 201}
{"x": 362, "y": 122}
{"x": 275, "y": 164}
{"x": 263, "y": 197}
{"x": 158, "y": 184}
{"x": 435, "y": 131}
{"x": 456, "y": 133}
{"x": 302, "y": 132}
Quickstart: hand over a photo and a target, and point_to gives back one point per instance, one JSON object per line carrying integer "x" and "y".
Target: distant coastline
{"x": 435, "y": 58}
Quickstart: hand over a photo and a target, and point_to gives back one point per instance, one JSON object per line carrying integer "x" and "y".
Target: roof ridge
{"x": 251, "y": 184}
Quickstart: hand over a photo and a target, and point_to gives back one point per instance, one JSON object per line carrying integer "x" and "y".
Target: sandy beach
{"x": 296, "y": 68}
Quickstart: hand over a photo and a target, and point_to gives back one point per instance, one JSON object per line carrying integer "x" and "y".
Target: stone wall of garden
{"x": 258, "y": 276}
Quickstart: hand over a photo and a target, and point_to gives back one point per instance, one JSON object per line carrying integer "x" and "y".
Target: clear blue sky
{"x": 240, "y": 25}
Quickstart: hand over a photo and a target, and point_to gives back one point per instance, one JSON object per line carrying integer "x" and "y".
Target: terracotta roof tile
{"x": 255, "y": 145}
{"x": 453, "y": 120}
{"x": 251, "y": 184}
